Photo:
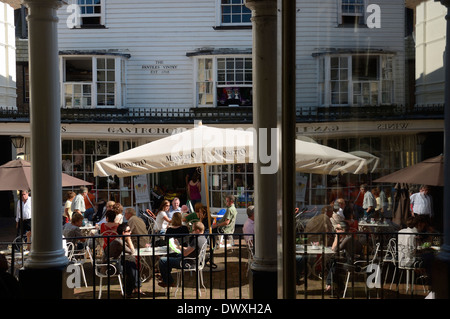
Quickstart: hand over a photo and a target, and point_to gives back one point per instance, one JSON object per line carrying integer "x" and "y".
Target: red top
{"x": 109, "y": 230}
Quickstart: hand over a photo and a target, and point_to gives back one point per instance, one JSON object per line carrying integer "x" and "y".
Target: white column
{"x": 45, "y": 117}
{"x": 265, "y": 117}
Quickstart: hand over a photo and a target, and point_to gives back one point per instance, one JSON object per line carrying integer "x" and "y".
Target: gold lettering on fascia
{"x": 140, "y": 130}
{"x": 133, "y": 130}
{"x": 159, "y": 67}
{"x": 392, "y": 126}
{"x": 318, "y": 129}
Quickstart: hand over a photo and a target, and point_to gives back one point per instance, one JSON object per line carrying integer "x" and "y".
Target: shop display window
{"x": 234, "y": 179}
{"x": 78, "y": 158}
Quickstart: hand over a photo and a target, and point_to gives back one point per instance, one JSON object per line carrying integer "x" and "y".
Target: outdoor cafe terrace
{"x": 378, "y": 272}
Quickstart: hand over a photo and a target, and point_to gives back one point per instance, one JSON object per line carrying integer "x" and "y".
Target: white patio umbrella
{"x": 204, "y": 145}
{"x": 200, "y": 146}
{"x": 372, "y": 160}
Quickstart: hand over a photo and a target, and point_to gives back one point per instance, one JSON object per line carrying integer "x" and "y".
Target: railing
{"x": 361, "y": 276}
{"x": 230, "y": 280}
{"x": 304, "y": 114}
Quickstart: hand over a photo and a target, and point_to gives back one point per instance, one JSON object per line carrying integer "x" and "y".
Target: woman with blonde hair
{"x": 176, "y": 227}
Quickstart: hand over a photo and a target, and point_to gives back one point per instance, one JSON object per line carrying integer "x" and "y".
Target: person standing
{"x": 358, "y": 203}
{"x": 89, "y": 200}
{"x": 369, "y": 202}
{"x": 421, "y": 203}
{"x": 78, "y": 201}
{"x": 194, "y": 188}
{"x": 23, "y": 213}
{"x": 68, "y": 207}
{"x": 249, "y": 225}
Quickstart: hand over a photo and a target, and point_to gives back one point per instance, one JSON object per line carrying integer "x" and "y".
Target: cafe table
{"x": 88, "y": 230}
{"x": 362, "y": 225}
{"x": 18, "y": 257}
{"x": 150, "y": 251}
{"x": 317, "y": 250}
{"x": 372, "y": 227}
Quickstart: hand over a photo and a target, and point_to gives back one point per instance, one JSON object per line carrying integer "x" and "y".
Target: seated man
{"x": 138, "y": 227}
{"x": 227, "y": 222}
{"x": 192, "y": 250}
{"x": 321, "y": 224}
{"x": 174, "y": 208}
{"x": 72, "y": 230}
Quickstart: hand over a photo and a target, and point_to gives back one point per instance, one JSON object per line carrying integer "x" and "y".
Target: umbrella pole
{"x": 207, "y": 197}
{"x": 21, "y": 217}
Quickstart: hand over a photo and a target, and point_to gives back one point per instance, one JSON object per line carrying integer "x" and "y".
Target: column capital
{"x": 44, "y": 3}
{"x": 262, "y": 7}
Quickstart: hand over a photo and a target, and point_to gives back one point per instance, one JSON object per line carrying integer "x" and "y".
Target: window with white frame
{"x": 359, "y": 79}
{"x": 234, "y": 12}
{"x": 91, "y": 12}
{"x": 90, "y": 81}
{"x": 351, "y": 12}
{"x": 224, "y": 81}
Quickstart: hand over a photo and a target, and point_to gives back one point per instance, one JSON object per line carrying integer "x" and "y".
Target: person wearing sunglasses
{"x": 128, "y": 261}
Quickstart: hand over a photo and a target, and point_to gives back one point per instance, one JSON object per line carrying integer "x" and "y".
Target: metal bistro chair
{"x": 409, "y": 263}
{"x": 390, "y": 257}
{"x": 192, "y": 267}
{"x": 103, "y": 270}
{"x": 71, "y": 256}
{"x": 150, "y": 222}
{"x": 360, "y": 267}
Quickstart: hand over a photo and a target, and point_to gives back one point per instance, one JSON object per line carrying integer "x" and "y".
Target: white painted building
{"x": 132, "y": 71}
{"x": 430, "y": 51}
{"x": 7, "y": 57}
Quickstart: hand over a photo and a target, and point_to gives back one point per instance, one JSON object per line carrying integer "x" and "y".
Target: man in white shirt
{"x": 421, "y": 202}
{"x": 249, "y": 225}
{"x": 174, "y": 208}
{"x": 23, "y": 218}
{"x": 78, "y": 201}
{"x": 369, "y": 202}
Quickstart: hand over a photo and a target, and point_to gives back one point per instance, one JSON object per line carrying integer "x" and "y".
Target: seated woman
{"x": 109, "y": 227}
{"x": 345, "y": 245}
{"x": 162, "y": 219}
{"x": 177, "y": 228}
{"x": 199, "y": 214}
{"x": 352, "y": 223}
{"x": 115, "y": 249}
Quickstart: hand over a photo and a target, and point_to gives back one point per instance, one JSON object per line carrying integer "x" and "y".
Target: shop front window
{"x": 234, "y": 180}
{"x": 78, "y": 158}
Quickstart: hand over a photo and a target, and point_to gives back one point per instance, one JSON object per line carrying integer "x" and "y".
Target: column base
{"x": 49, "y": 283}
{"x": 263, "y": 284}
